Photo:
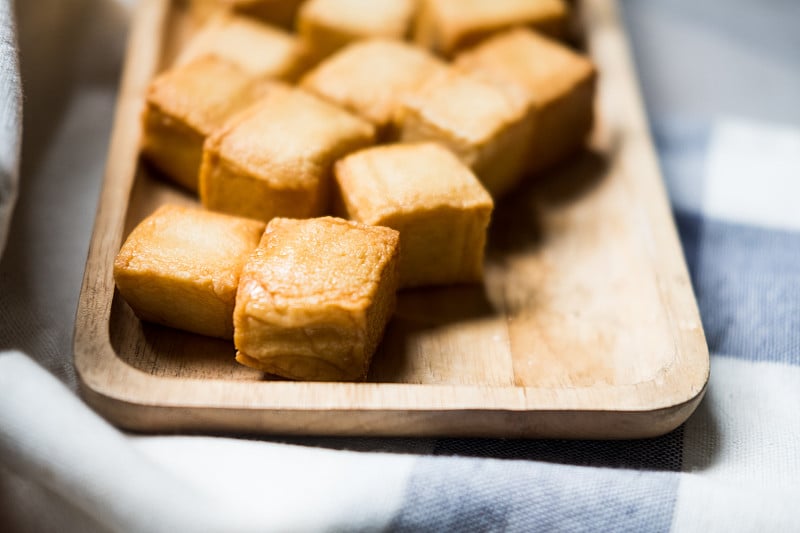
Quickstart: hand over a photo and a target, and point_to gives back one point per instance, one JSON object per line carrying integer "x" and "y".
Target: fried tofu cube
{"x": 371, "y": 78}
{"x": 180, "y": 267}
{"x": 328, "y": 25}
{"x": 281, "y": 13}
{"x": 436, "y": 203}
{"x": 183, "y": 106}
{"x": 487, "y": 128}
{"x": 448, "y": 26}
{"x": 315, "y": 297}
{"x": 276, "y": 159}
{"x": 259, "y": 49}
{"x": 558, "y": 83}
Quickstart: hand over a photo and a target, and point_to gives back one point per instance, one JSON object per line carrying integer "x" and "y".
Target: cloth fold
{"x": 128, "y": 483}
{"x": 10, "y": 119}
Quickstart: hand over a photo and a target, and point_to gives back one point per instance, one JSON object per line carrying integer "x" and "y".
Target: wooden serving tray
{"x": 586, "y": 326}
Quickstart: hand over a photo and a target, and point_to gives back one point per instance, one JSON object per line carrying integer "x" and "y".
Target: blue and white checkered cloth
{"x": 721, "y": 80}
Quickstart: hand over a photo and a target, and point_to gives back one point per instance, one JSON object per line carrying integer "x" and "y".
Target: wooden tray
{"x": 586, "y": 326}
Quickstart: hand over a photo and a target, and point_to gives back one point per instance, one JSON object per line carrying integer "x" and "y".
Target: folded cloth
{"x": 720, "y": 79}
{"x": 129, "y": 483}
{"x": 10, "y": 119}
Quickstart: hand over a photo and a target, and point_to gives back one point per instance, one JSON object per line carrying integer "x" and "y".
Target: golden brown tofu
{"x": 180, "y": 267}
{"x": 281, "y": 13}
{"x": 436, "y": 203}
{"x": 371, "y": 78}
{"x": 315, "y": 297}
{"x": 183, "y": 106}
{"x": 487, "y": 128}
{"x": 328, "y": 25}
{"x": 557, "y": 82}
{"x": 276, "y": 158}
{"x": 448, "y": 26}
{"x": 259, "y": 49}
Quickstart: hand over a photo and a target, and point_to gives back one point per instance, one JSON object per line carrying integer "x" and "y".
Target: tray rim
{"x": 137, "y": 400}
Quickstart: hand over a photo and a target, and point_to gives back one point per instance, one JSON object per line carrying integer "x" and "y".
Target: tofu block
{"x": 281, "y": 13}
{"x": 180, "y": 267}
{"x": 449, "y": 26}
{"x": 436, "y": 203}
{"x": 183, "y": 106}
{"x": 315, "y": 297}
{"x": 276, "y": 158}
{"x": 558, "y": 83}
{"x": 258, "y": 49}
{"x": 328, "y": 25}
{"x": 371, "y": 78}
{"x": 487, "y": 128}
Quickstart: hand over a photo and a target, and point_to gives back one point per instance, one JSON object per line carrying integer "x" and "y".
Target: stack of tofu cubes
{"x": 342, "y": 150}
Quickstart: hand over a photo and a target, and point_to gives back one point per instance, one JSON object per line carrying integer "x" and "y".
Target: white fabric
{"x": 10, "y": 121}
{"x": 743, "y": 467}
{"x": 752, "y": 174}
{"x": 181, "y": 483}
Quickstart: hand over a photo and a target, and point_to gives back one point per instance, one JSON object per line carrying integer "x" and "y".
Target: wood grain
{"x": 586, "y": 325}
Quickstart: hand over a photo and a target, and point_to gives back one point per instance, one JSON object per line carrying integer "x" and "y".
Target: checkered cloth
{"x": 721, "y": 80}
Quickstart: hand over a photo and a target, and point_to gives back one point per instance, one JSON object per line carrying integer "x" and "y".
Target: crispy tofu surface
{"x": 180, "y": 267}
{"x": 315, "y": 297}
{"x": 436, "y": 203}
{"x": 371, "y": 78}
{"x": 276, "y": 159}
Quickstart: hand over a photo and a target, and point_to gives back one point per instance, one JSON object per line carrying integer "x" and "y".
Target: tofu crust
{"x": 371, "y": 78}
{"x": 276, "y": 158}
{"x": 450, "y": 26}
{"x": 329, "y": 25}
{"x": 184, "y": 105}
{"x": 315, "y": 297}
{"x": 436, "y": 203}
{"x": 487, "y": 128}
{"x": 258, "y": 49}
{"x": 555, "y": 83}
{"x": 180, "y": 267}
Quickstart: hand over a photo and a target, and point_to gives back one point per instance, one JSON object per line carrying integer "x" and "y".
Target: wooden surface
{"x": 586, "y": 326}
